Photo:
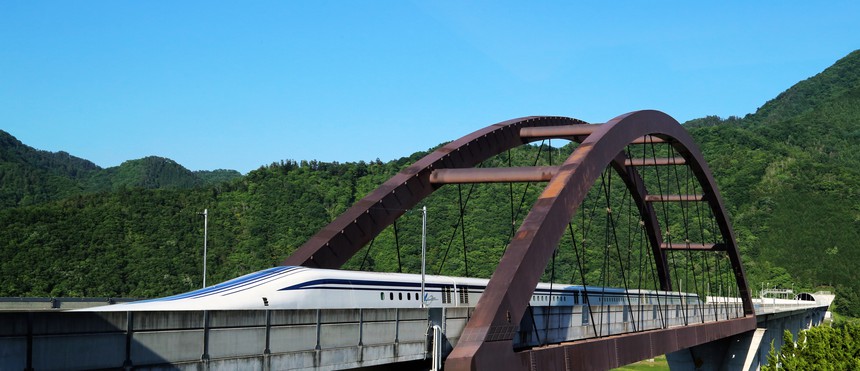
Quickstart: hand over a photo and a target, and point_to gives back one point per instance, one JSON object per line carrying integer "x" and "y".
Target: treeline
{"x": 818, "y": 348}
{"x": 31, "y": 177}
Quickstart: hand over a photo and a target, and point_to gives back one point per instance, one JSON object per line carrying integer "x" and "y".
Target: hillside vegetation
{"x": 788, "y": 174}
{"x": 29, "y": 176}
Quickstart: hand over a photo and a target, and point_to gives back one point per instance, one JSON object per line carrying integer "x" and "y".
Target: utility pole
{"x": 423, "y": 250}
{"x": 205, "y": 239}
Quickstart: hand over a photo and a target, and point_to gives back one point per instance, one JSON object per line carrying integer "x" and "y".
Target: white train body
{"x": 309, "y": 288}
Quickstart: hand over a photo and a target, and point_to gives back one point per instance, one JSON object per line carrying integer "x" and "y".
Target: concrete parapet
{"x": 313, "y": 339}
{"x": 276, "y": 339}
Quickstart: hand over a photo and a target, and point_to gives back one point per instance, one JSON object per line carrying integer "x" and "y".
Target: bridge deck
{"x": 303, "y": 339}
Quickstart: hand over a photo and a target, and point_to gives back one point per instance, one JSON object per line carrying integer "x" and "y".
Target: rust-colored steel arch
{"x": 332, "y": 246}
{"x": 486, "y": 342}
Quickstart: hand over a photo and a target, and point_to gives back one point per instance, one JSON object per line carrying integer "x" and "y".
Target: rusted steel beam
{"x": 655, "y": 161}
{"x": 548, "y": 132}
{"x": 493, "y": 175}
{"x": 693, "y": 246}
{"x": 674, "y": 198}
{"x": 648, "y": 139}
{"x": 575, "y": 133}
{"x": 619, "y": 350}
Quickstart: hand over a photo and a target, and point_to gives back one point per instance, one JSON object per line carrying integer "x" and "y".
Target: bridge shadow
{"x": 53, "y": 340}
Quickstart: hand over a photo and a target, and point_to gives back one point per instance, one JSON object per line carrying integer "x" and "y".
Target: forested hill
{"x": 788, "y": 172}
{"x": 29, "y": 176}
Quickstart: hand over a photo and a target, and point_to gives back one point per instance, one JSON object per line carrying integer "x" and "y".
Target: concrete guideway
{"x": 335, "y": 339}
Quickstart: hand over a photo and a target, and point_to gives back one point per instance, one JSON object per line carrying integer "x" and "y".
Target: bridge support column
{"x": 748, "y": 350}
{"x": 737, "y": 352}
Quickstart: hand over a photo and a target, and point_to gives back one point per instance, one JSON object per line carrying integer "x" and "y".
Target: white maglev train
{"x": 288, "y": 287}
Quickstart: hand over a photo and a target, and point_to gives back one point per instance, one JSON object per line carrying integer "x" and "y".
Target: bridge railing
{"x": 547, "y": 325}
{"x": 252, "y": 339}
{"x": 19, "y": 303}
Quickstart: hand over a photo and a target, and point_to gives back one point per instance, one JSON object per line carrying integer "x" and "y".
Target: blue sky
{"x": 238, "y": 85}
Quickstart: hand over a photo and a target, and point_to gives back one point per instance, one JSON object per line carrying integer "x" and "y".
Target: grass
{"x": 657, "y": 364}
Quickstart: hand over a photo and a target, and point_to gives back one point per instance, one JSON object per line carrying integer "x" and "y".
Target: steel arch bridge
{"x": 486, "y": 342}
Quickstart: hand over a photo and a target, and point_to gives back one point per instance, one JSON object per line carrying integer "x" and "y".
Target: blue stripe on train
{"x": 236, "y": 282}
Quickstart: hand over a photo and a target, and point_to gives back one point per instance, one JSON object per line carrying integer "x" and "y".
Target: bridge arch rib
{"x": 332, "y": 246}
{"x": 486, "y": 341}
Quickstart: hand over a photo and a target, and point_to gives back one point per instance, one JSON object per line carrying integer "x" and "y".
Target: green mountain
{"x": 791, "y": 175}
{"x": 788, "y": 173}
{"x": 29, "y": 176}
{"x": 148, "y": 172}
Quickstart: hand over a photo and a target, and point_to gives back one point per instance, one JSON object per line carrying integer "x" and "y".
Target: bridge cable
{"x": 606, "y": 244}
{"x": 513, "y": 217}
{"x": 633, "y": 176}
{"x": 687, "y": 215}
{"x": 366, "y": 253}
{"x": 700, "y": 218}
{"x": 534, "y": 324}
{"x": 613, "y": 227}
{"x": 665, "y": 206}
{"x": 549, "y": 307}
{"x": 463, "y": 227}
{"x": 624, "y": 209}
{"x": 668, "y": 236}
{"x": 454, "y": 233}
{"x": 646, "y": 251}
{"x": 684, "y": 217}
{"x": 397, "y": 244}
{"x": 586, "y": 300}
{"x": 522, "y": 198}
{"x": 554, "y": 253}
{"x": 721, "y": 273}
{"x": 582, "y": 260}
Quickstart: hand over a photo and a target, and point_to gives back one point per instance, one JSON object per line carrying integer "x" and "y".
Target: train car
{"x": 287, "y": 287}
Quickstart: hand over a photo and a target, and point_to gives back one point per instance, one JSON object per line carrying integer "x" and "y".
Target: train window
{"x": 408, "y": 296}
{"x": 381, "y": 296}
{"x": 399, "y": 296}
{"x": 464, "y": 295}
{"x": 391, "y": 295}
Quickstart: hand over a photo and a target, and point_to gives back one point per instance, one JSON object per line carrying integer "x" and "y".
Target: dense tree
{"x": 818, "y": 348}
